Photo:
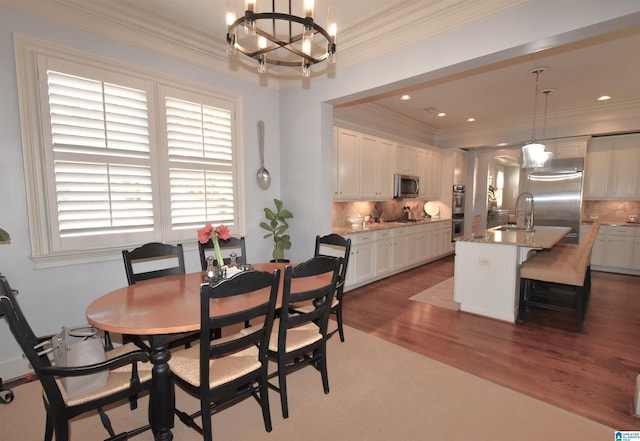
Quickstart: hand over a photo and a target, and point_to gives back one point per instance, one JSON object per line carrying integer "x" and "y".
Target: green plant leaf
{"x": 4, "y": 236}
{"x": 285, "y": 214}
{"x": 278, "y": 203}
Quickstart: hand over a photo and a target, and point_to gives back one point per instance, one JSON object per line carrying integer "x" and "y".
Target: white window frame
{"x": 46, "y": 249}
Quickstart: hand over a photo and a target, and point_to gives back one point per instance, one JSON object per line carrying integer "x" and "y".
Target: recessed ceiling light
{"x": 604, "y": 98}
{"x": 405, "y": 97}
{"x": 442, "y": 114}
{"x": 502, "y": 144}
{"x": 471, "y": 119}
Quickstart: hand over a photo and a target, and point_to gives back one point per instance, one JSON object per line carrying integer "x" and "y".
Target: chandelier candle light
{"x": 281, "y": 38}
{"x": 208, "y": 232}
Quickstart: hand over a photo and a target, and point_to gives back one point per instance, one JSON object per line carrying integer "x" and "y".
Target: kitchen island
{"x": 486, "y": 277}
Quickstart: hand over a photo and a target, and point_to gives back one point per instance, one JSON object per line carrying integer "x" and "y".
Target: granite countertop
{"x": 541, "y": 237}
{"x": 370, "y": 226}
{"x": 613, "y": 223}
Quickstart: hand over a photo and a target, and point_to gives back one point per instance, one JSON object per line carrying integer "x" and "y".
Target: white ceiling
{"x": 578, "y": 73}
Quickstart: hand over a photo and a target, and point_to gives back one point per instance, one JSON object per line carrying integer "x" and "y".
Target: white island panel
{"x": 485, "y": 277}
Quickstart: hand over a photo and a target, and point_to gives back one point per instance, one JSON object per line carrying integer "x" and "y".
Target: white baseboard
{"x": 13, "y": 368}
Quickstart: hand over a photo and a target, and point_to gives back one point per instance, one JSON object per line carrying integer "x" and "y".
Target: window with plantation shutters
{"x": 117, "y": 156}
{"x": 101, "y": 161}
{"x": 201, "y": 177}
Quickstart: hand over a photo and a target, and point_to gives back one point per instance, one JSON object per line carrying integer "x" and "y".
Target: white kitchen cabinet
{"x": 611, "y": 170}
{"x": 636, "y": 251}
{"x": 431, "y": 175}
{"x": 459, "y": 167}
{"x": 615, "y": 248}
{"x": 418, "y": 245}
{"x": 384, "y": 252}
{"x": 408, "y": 160}
{"x": 377, "y": 158}
{"x": 596, "y": 172}
{"x": 346, "y": 165}
{"x": 369, "y": 171}
{"x": 568, "y": 147}
{"x": 386, "y": 166}
{"x": 362, "y": 259}
{"x": 399, "y": 249}
{"x": 381, "y": 253}
{"x": 363, "y": 166}
{"x": 625, "y": 165}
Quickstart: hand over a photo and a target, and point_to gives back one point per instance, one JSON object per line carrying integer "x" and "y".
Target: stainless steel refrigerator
{"x": 557, "y": 194}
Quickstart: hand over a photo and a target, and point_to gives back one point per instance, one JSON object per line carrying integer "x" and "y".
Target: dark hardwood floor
{"x": 592, "y": 374}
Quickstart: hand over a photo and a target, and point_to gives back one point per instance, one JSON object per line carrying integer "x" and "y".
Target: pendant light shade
{"x": 533, "y": 153}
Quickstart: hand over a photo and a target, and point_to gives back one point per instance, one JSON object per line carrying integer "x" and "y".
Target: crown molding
{"x": 414, "y": 20}
{"x": 385, "y": 123}
{"x": 375, "y": 34}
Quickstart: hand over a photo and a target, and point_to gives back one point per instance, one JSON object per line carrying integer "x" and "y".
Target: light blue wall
{"x": 299, "y": 152}
{"x": 56, "y": 296}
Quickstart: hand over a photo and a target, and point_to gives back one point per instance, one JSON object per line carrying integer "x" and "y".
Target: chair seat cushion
{"x": 186, "y": 365}
{"x": 309, "y": 308}
{"x": 119, "y": 379}
{"x": 558, "y": 271}
{"x": 296, "y": 337}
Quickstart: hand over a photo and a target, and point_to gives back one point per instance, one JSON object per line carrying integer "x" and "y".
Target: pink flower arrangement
{"x": 208, "y": 232}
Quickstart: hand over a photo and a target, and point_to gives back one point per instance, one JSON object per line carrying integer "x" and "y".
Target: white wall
{"x": 298, "y": 154}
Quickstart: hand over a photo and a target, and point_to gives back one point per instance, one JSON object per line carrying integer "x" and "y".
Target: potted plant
{"x": 492, "y": 202}
{"x": 4, "y": 237}
{"x": 277, "y": 226}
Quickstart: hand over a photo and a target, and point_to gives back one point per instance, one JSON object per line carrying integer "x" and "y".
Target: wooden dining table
{"x": 160, "y": 308}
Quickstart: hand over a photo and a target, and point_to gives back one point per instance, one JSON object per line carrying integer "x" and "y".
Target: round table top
{"x": 166, "y": 305}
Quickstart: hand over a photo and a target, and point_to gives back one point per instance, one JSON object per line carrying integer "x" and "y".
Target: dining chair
{"x": 150, "y": 261}
{"x": 156, "y": 259}
{"x": 223, "y": 371}
{"x": 233, "y": 244}
{"x": 334, "y": 245}
{"x": 299, "y": 338}
{"x": 128, "y": 366}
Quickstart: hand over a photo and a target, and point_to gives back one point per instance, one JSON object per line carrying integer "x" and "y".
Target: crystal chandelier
{"x": 280, "y": 38}
{"x": 533, "y": 154}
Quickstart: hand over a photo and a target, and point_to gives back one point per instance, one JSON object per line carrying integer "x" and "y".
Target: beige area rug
{"x": 379, "y": 391}
{"x": 439, "y": 295}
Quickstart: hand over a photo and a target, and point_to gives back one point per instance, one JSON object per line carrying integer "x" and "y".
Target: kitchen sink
{"x": 510, "y": 227}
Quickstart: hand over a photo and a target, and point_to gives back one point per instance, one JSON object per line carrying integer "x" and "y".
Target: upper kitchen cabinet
{"x": 408, "y": 161}
{"x": 363, "y": 166}
{"x": 575, "y": 147}
{"x": 611, "y": 170}
{"x": 431, "y": 175}
{"x": 459, "y": 167}
{"x": 376, "y": 168}
{"x": 346, "y": 164}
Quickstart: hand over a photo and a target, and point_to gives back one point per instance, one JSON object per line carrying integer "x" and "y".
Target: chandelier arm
{"x": 252, "y": 18}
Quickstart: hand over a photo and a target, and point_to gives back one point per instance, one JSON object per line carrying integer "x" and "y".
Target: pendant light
{"x": 533, "y": 154}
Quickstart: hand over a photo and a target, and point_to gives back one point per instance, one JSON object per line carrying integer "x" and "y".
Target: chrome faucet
{"x": 524, "y": 217}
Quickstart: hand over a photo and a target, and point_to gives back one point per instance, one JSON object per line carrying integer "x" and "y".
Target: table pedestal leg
{"x": 162, "y": 399}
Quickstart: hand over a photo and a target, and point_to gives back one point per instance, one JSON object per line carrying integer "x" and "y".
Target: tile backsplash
{"x": 390, "y": 210}
{"x": 609, "y": 211}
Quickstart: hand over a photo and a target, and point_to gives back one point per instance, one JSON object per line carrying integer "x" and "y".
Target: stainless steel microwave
{"x": 405, "y": 186}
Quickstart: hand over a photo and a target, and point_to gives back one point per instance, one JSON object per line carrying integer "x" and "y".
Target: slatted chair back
{"x": 233, "y": 244}
{"x": 161, "y": 260}
{"x": 336, "y": 245}
{"x": 227, "y": 369}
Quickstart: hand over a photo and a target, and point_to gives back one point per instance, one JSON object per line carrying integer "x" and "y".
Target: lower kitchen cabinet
{"x": 399, "y": 249}
{"x": 384, "y": 252}
{"x": 617, "y": 249}
{"x": 381, "y": 253}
